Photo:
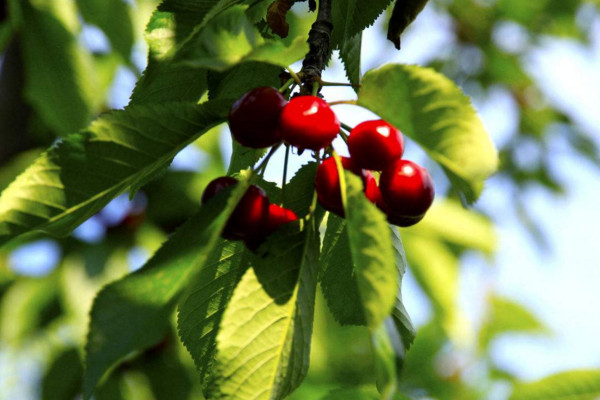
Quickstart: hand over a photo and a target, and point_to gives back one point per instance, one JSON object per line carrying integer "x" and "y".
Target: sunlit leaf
{"x": 571, "y": 385}
{"x": 433, "y": 111}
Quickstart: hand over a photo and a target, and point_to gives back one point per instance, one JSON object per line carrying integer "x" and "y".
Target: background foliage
{"x": 55, "y": 80}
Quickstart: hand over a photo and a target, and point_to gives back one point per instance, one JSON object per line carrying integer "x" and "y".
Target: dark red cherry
{"x": 251, "y": 214}
{"x": 308, "y": 122}
{"x": 375, "y": 145}
{"x": 407, "y": 192}
{"x": 327, "y": 183}
{"x": 254, "y": 118}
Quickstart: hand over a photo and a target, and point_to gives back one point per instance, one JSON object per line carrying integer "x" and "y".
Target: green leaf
{"x": 389, "y": 353}
{"x": 405, "y": 11}
{"x": 113, "y": 17}
{"x": 133, "y": 313}
{"x": 399, "y": 314}
{"x": 300, "y": 189}
{"x": 201, "y": 308}
{"x": 77, "y": 177}
{"x": 264, "y": 342}
{"x": 351, "y": 17}
{"x": 241, "y": 78}
{"x": 433, "y": 111}
{"x": 23, "y": 306}
{"x": 61, "y": 83}
{"x": 571, "y": 385}
{"x": 350, "y": 56}
{"x": 507, "y": 316}
{"x": 62, "y": 381}
{"x": 449, "y": 222}
{"x": 372, "y": 253}
{"x": 352, "y": 394}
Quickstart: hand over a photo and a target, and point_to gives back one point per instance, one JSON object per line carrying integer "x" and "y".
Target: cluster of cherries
{"x": 263, "y": 118}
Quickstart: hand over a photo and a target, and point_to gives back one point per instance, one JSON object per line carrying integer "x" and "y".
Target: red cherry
{"x": 406, "y": 192}
{"x": 372, "y": 191}
{"x": 308, "y": 122}
{"x": 375, "y": 144}
{"x": 327, "y": 183}
{"x": 251, "y": 213}
{"x": 254, "y": 118}
{"x": 277, "y": 216}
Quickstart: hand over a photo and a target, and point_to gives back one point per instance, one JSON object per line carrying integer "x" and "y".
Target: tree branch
{"x": 319, "y": 39}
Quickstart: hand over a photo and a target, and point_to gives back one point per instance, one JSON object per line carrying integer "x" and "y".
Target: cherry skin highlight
{"x": 307, "y": 122}
{"x": 375, "y": 144}
{"x": 327, "y": 183}
{"x": 254, "y": 118}
{"x": 251, "y": 213}
{"x": 407, "y": 192}
{"x": 277, "y": 217}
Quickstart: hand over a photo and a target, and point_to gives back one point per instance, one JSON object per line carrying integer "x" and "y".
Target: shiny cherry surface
{"x": 375, "y": 144}
{"x": 308, "y": 122}
{"x": 327, "y": 183}
{"x": 279, "y": 216}
{"x": 254, "y": 118}
{"x": 407, "y": 192}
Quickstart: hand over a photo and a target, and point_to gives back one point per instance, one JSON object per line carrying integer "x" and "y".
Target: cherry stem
{"x": 346, "y": 127}
{"x": 294, "y": 75}
{"x": 315, "y": 88}
{"x": 335, "y": 103}
{"x": 285, "y": 169}
{"x": 286, "y": 85}
{"x": 263, "y": 164}
{"x": 325, "y": 83}
{"x": 344, "y": 136}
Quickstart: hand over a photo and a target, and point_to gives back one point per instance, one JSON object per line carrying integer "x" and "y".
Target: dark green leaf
{"x": 350, "y": 56}
{"x": 405, "y": 12}
{"x": 351, "y": 17}
{"x": 62, "y": 381}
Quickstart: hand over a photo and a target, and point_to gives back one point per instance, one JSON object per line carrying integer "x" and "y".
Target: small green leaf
{"x": 62, "y": 381}
{"x": 433, "y": 111}
{"x": 113, "y": 17}
{"x": 77, "y": 177}
{"x": 507, "y": 316}
{"x": 133, "y": 313}
{"x": 351, "y": 17}
{"x": 350, "y": 56}
{"x": 264, "y": 342}
{"x": 571, "y": 385}
{"x": 389, "y": 353}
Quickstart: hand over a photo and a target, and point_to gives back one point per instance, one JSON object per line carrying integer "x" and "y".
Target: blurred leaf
{"x": 264, "y": 342}
{"x": 399, "y": 314}
{"x": 62, "y": 381}
{"x": 433, "y": 111}
{"x": 78, "y": 176}
{"x": 112, "y": 16}
{"x": 61, "y": 83}
{"x": 350, "y": 56}
{"x": 133, "y": 313}
{"x": 571, "y": 385}
{"x": 350, "y": 17}
{"x": 23, "y": 306}
{"x": 389, "y": 354}
{"x": 449, "y": 222}
{"x": 435, "y": 268}
{"x": 15, "y": 166}
{"x": 205, "y": 300}
{"x": 352, "y": 394}
{"x": 507, "y": 316}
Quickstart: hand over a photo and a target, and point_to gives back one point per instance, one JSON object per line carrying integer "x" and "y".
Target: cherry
{"x": 406, "y": 192}
{"x": 249, "y": 216}
{"x": 327, "y": 183}
{"x": 254, "y": 118}
{"x": 277, "y": 216}
{"x": 308, "y": 122}
{"x": 375, "y": 144}
{"x": 372, "y": 191}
